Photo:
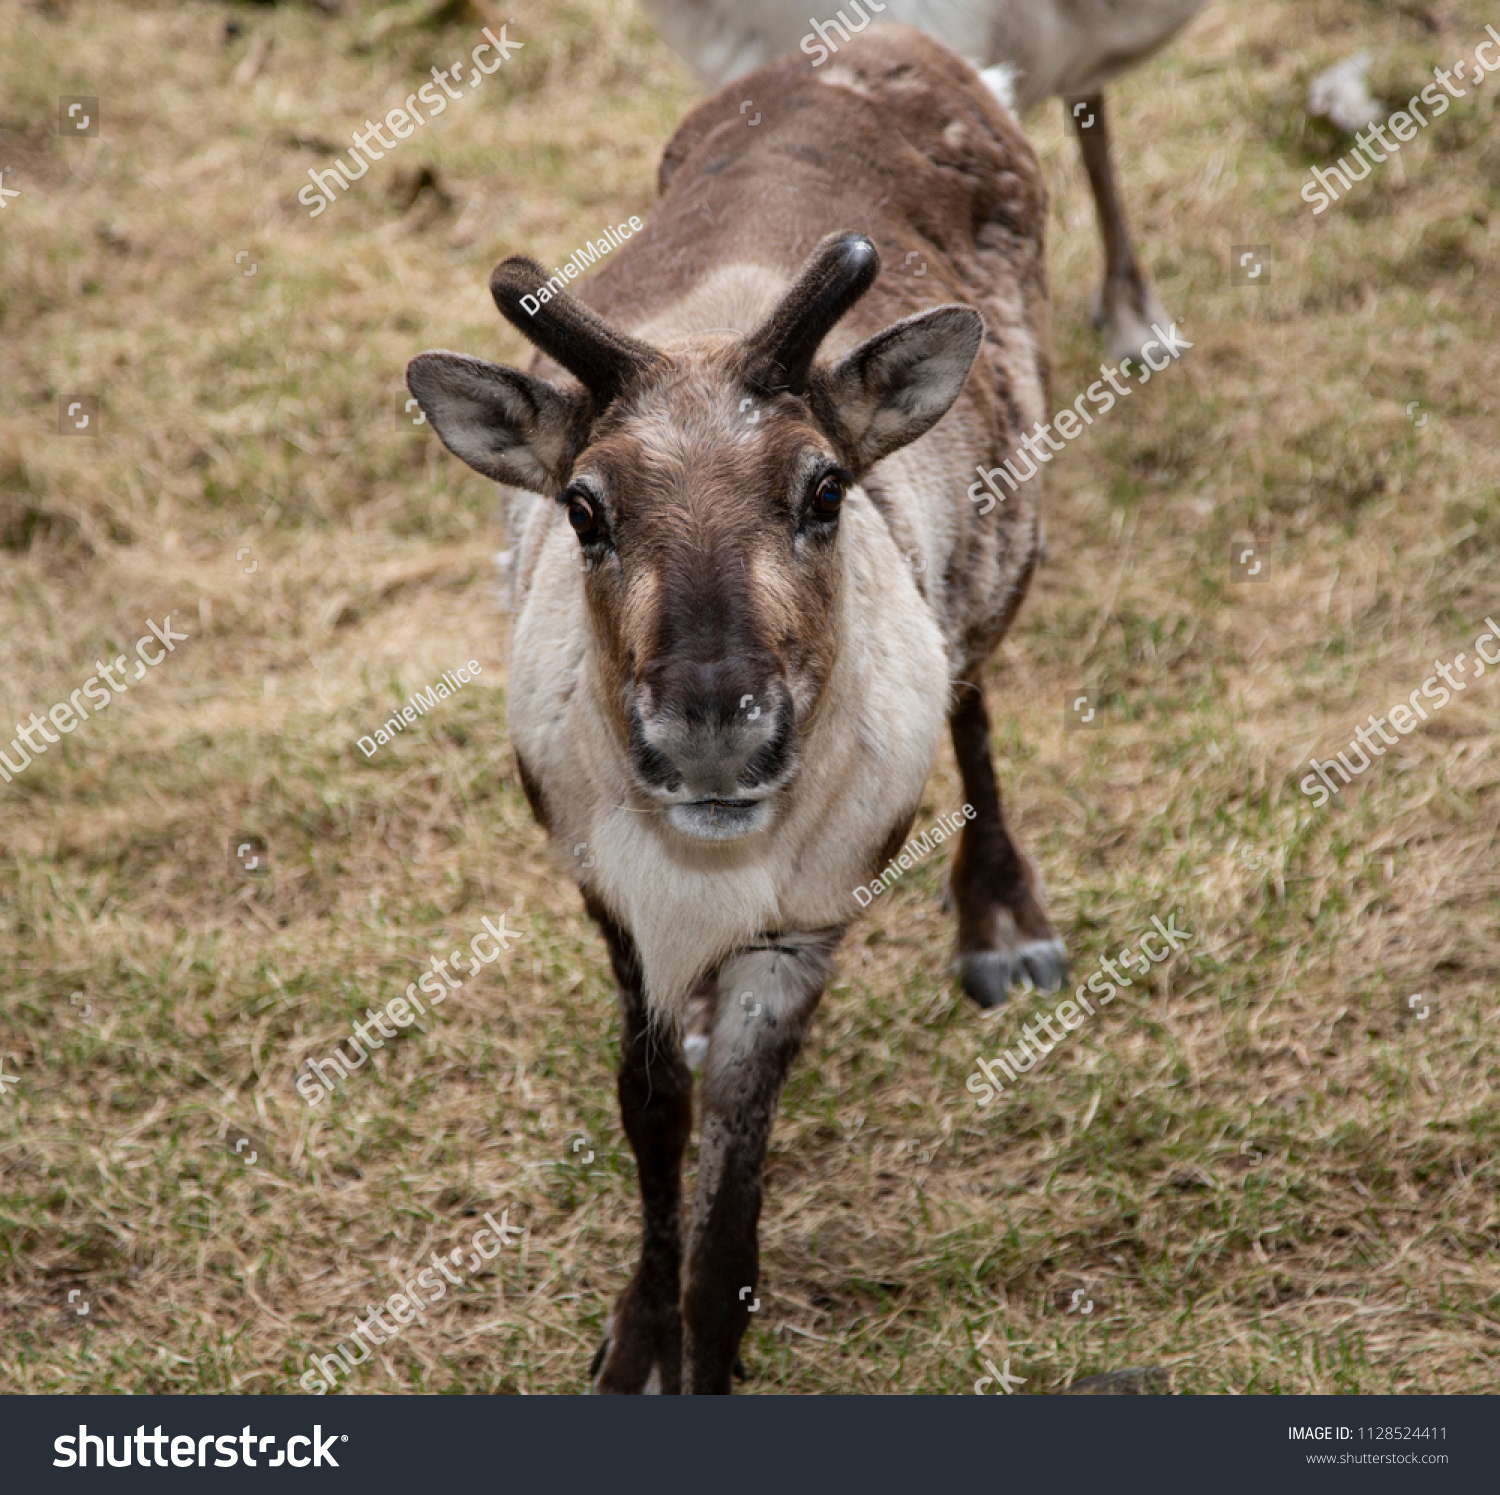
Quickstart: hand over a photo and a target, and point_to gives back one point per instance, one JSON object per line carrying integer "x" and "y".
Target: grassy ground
{"x": 1265, "y": 1170}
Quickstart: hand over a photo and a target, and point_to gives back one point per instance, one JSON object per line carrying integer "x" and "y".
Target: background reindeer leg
{"x": 1004, "y": 934}
{"x": 1127, "y": 306}
{"x": 767, "y": 996}
{"x": 643, "y": 1349}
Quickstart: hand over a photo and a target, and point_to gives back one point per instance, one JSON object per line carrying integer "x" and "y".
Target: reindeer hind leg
{"x": 1004, "y": 935}
{"x": 1127, "y": 306}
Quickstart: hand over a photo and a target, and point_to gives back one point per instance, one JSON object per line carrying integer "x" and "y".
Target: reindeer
{"x": 1071, "y": 48}
{"x": 752, "y": 586}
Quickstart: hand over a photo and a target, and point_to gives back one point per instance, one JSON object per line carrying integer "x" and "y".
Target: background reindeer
{"x": 728, "y": 679}
{"x": 1042, "y": 47}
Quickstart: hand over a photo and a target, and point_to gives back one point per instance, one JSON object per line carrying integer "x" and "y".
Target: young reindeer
{"x": 753, "y": 587}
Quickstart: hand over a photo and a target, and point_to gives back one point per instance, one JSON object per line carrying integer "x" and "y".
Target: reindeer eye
{"x": 582, "y": 516}
{"x": 826, "y": 497}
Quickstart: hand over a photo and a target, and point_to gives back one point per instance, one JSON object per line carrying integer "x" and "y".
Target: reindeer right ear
{"x": 513, "y": 427}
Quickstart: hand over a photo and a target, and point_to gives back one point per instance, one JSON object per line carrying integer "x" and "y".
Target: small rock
{"x": 1339, "y": 94}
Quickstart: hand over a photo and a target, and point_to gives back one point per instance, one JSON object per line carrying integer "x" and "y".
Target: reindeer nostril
{"x": 712, "y": 732}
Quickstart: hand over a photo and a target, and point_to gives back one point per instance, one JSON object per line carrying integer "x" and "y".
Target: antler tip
{"x": 857, "y": 253}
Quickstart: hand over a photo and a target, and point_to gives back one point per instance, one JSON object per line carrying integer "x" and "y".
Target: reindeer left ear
{"x": 898, "y": 385}
{"x": 511, "y": 426}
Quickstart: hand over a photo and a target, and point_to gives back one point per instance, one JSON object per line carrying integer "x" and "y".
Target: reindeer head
{"x": 704, "y": 484}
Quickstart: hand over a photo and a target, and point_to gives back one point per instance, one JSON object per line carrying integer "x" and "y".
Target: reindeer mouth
{"x": 717, "y": 773}
{"x": 719, "y": 819}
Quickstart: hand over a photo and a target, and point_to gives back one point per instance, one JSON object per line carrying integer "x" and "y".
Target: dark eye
{"x": 583, "y": 515}
{"x": 826, "y": 497}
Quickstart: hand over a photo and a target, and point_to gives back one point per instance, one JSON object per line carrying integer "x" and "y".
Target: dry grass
{"x": 1265, "y": 1171}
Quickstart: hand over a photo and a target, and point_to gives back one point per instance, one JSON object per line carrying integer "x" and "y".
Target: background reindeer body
{"x": 1071, "y": 48}
{"x": 1066, "y": 47}
{"x": 703, "y": 406}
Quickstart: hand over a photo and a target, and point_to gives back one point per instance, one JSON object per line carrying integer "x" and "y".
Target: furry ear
{"x": 513, "y": 427}
{"x": 898, "y": 385}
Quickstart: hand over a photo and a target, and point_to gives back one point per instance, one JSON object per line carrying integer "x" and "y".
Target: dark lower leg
{"x": 753, "y": 1045}
{"x": 655, "y": 1091}
{"x": 1125, "y": 288}
{"x": 1003, "y": 930}
{"x": 724, "y": 1249}
{"x": 1093, "y": 146}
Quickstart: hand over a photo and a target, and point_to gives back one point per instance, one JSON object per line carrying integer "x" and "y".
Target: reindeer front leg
{"x": 643, "y": 1348}
{"x": 766, "y": 998}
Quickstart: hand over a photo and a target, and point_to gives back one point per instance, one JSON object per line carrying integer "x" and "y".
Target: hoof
{"x": 642, "y": 1351}
{"x": 987, "y": 975}
{"x": 1126, "y": 312}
